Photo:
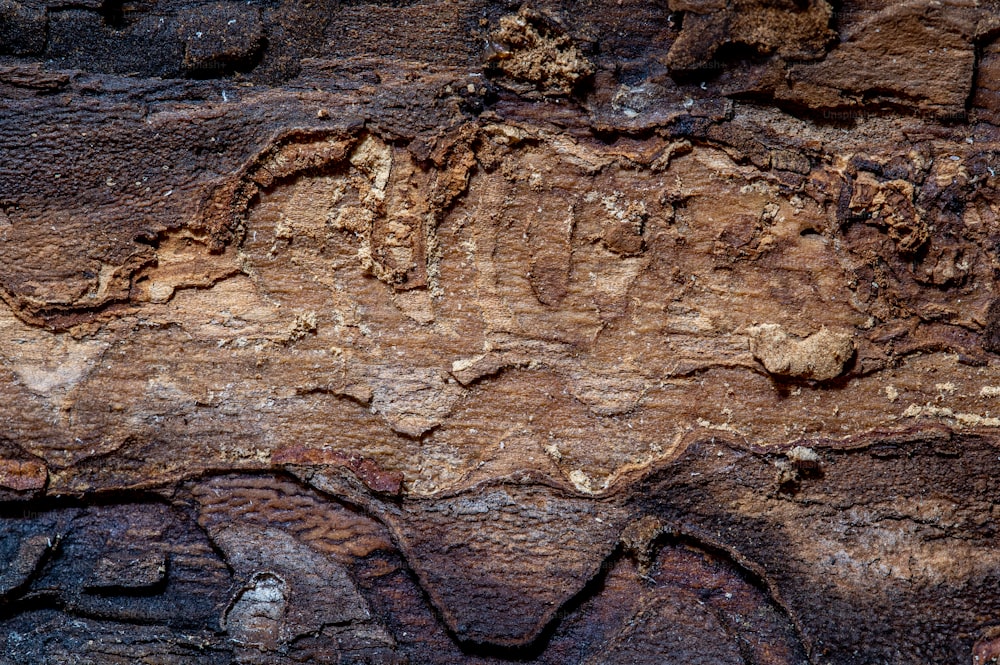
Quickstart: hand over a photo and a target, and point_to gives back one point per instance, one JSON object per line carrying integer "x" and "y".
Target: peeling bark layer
{"x": 558, "y": 332}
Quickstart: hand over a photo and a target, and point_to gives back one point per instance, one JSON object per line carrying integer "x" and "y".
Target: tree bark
{"x": 483, "y": 332}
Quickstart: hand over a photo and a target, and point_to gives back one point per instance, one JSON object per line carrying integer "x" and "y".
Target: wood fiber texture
{"x": 426, "y": 332}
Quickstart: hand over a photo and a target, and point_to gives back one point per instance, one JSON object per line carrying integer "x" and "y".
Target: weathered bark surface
{"x": 479, "y": 332}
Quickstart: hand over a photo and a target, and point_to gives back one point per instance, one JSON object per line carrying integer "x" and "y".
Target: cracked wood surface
{"x": 484, "y": 332}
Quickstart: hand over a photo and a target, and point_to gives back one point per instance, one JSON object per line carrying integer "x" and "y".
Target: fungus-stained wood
{"x": 430, "y": 332}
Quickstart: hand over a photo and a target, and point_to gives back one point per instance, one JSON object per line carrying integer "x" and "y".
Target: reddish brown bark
{"x": 435, "y": 332}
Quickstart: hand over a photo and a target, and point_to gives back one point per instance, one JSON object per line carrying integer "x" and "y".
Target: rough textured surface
{"x": 820, "y": 356}
{"x": 558, "y": 332}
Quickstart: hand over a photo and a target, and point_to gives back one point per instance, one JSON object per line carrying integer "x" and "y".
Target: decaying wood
{"x": 479, "y": 332}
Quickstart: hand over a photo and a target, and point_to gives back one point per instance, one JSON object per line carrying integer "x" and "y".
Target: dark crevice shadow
{"x": 536, "y": 648}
